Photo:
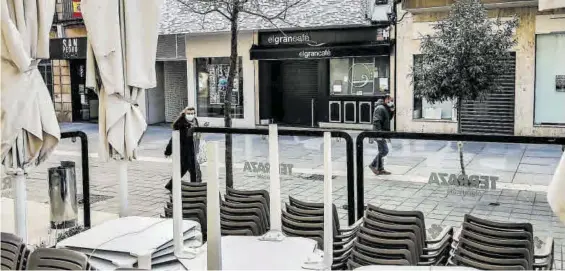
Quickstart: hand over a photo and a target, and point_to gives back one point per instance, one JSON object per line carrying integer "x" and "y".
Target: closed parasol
{"x": 122, "y": 37}
{"x": 30, "y": 130}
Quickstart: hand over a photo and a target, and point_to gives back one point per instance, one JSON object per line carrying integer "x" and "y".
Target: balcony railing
{"x": 68, "y": 10}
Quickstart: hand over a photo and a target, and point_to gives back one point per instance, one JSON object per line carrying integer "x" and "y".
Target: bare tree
{"x": 270, "y": 11}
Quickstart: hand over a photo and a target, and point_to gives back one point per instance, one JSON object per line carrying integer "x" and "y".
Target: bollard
{"x": 63, "y": 196}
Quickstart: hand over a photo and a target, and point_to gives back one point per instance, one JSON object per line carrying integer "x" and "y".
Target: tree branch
{"x": 205, "y": 7}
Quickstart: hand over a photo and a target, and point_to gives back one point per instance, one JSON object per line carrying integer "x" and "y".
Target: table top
{"x": 414, "y": 268}
{"x": 250, "y": 253}
{"x": 133, "y": 234}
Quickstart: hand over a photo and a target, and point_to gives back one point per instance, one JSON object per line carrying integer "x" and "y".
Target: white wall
{"x": 218, "y": 45}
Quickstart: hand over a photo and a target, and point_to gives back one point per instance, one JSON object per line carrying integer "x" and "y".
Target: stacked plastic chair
{"x": 305, "y": 219}
{"x": 241, "y": 213}
{"x": 245, "y": 212}
{"x": 389, "y": 237}
{"x": 490, "y": 245}
{"x": 57, "y": 259}
{"x": 14, "y": 252}
{"x": 193, "y": 204}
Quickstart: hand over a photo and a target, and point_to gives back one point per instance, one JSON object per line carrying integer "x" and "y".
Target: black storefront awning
{"x": 315, "y": 52}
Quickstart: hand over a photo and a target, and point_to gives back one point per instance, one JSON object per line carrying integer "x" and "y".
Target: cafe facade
{"x": 321, "y": 77}
{"x": 303, "y": 78}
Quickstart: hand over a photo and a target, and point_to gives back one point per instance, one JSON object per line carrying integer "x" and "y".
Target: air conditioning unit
{"x": 378, "y": 10}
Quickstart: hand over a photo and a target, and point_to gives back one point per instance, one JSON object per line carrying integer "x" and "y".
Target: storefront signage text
{"x": 474, "y": 181}
{"x": 264, "y": 168}
{"x": 68, "y": 48}
{"x": 288, "y": 39}
{"x": 315, "y": 54}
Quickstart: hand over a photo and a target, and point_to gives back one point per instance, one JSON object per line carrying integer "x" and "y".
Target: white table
{"x": 120, "y": 240}
{"x": 249, "y": 253}
{"x": 413, "y": 268}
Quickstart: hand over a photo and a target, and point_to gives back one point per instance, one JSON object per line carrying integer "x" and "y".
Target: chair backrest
{"x": 527, "y": 227}
{"x": 390, "y": 244}
{"x": 458, "y": 260}
{"x": 314, "y": 206}
{"x": 55, "y": 258}
{"x": 475, "y": 256}
{"x": 496, "y": 252}
{"x": 244, "y": 193}
{"x": 13, "y": 252}
{"x": 399, "y": 220}
{"x": 497, "y": 241}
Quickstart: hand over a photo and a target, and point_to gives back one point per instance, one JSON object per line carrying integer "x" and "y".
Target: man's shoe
{"x": 383, "y": 172}
{"x": 374, "y": 170}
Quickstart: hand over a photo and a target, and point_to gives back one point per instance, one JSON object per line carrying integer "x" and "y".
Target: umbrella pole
{"x": 20, "y": 204}
{"x": 123, "y": 187}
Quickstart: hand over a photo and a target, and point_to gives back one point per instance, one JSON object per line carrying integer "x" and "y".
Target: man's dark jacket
{"x": 382, "y": 116}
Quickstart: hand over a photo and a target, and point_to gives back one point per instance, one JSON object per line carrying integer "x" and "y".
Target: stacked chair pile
{"x": 193, "y": 204}
{"x": 305, "y": 219}
{"x": 245, "y": 212}
{"x": 490, "y": 245}
{"x": 389, "y": 237}
{"x": 241, "y": 212}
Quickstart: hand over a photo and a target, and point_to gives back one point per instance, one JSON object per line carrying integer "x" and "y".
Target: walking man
{"x": 383, "y": 114}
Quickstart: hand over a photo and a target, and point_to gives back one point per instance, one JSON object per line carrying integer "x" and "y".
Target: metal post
{"x": 214, "y": 256}
{"x": 312, "y": 109}
{"x": 275, "y": 234}
{"x": 176, "y": 191}
{"x": 328, "y": 202}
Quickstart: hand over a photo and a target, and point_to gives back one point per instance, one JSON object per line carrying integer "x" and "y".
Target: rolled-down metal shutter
{"x": 300, "y": 87}
{"x": 171, "y": 47}
{"x": 494, "y": 114}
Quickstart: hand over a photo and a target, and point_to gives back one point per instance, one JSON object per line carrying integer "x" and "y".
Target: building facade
{"x": 327, "y": 73}
{"x": 532, "y": 99}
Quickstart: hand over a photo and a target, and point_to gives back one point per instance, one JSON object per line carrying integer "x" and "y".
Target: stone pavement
{"x": 522, "y": 173}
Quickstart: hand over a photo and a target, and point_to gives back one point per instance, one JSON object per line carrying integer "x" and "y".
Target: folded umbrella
{"x": 30, "y": 130}
{"x": 123, "y": 41}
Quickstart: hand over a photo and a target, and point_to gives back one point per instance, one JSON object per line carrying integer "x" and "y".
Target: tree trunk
{"x": 460, "y": 143}
{"x": 227, "y": 99}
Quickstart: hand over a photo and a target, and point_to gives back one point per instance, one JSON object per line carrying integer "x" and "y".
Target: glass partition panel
{"x": 301, "y": 167}
{"x": 503, "y": 182}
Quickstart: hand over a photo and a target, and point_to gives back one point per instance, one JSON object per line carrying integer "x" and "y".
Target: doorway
{"x": 84, "y": 101}
{"x": 294, "y": 92}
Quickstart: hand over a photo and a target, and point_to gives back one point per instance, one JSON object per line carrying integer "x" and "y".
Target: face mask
{"x": 390, "y": 104}
{"x": 189, "y": 117}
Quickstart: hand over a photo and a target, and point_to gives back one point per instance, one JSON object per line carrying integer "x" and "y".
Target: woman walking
{"x": 188, "y": 146}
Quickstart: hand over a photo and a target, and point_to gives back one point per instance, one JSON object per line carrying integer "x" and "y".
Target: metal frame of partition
{"x": 443, "y": 137}
{"x": 310, "y": 133}
{"x": 85, "y": 172}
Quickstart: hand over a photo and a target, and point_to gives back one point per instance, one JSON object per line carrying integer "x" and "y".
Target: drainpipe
{"x": 394, "y": 11}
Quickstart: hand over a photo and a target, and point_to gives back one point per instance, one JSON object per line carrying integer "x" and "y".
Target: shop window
{"x": 359, "y": 76}
{"x": 211, "y": 83}
{"x": 426, "y": 110}
{"x": 550, "y": 79}
{"x": 45, "y": 68}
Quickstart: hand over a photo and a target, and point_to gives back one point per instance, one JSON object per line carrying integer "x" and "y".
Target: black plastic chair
{"x": 59, "y": 259}
{"x": 14, "y": 252}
